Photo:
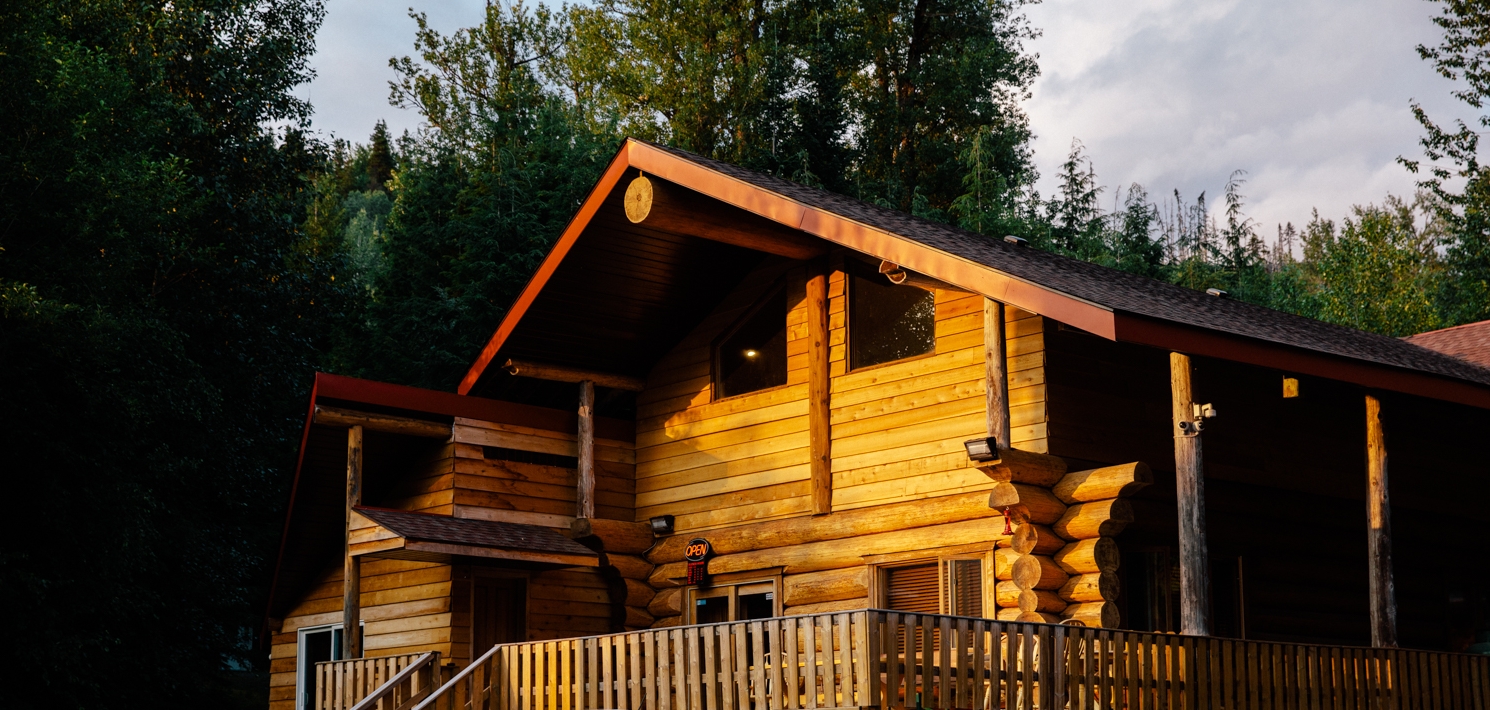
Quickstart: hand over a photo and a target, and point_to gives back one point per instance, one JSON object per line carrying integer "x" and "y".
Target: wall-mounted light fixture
{"x": 986, "y": 449}
{"x": 661, "y": 525}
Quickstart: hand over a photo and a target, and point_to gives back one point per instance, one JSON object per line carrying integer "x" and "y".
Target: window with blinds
{"x": 947, "y": 586}
{"x": 913, "y": 589}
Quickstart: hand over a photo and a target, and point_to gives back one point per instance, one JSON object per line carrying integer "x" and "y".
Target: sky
{"x": 1310, "y": 97}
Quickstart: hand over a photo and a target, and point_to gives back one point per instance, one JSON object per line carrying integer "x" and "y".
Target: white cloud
{"x": 1310, "y": 97}
{"x": 350, "y": 92}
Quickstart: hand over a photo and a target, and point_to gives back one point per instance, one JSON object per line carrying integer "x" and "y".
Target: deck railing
{"x": 890, "y": 660}
{"x": 343, "y": 685}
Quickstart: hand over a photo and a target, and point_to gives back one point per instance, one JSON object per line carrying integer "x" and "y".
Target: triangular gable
{"x": 1105, "y": 302}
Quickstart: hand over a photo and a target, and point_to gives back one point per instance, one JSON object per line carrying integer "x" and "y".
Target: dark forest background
{"x": 178, "y": 257}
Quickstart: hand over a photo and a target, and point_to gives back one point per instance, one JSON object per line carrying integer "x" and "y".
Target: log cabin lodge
{"x": 742, "y": 444}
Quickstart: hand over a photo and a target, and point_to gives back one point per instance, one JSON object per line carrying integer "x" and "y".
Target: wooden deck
{"x": 888, "y": 660}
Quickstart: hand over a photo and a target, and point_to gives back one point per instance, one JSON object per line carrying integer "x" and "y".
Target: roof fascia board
{"x": 612, "y": 175}
{"x": 448, "y": 404}
{"x": 876, "y": 242}
{"x": 1225, "y": 346}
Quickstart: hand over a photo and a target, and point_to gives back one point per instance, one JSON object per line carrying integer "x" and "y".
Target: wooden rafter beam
{"x": 562, "y": 373}
{"x": 901, "y": 276}
{"x": 387, "y": 423}
{"x": 666, "y": 207}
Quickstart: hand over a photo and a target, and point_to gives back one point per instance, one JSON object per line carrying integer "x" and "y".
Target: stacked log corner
{"x": 1096, "y": 512}
{"x": 1028, "y": 575}
{"x": 622, "y": 546}
{"x": 1061, "y": 563}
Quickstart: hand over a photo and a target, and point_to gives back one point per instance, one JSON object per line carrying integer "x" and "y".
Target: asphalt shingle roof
{"x": 1117, "y": 290}
{"x": 1470, "y": 341}
{"x": 480, "y": 533}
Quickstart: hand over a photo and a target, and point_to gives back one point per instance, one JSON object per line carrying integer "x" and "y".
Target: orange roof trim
{"x": 1022, "y": 294}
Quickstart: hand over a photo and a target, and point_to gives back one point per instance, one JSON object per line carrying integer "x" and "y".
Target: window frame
{"x": 716, "y": 367}
{"x": 301, "y": 660}
{"x": 728, "y": 585}
{"x": 850, "y": 273}
{"x": 982, "y": 552}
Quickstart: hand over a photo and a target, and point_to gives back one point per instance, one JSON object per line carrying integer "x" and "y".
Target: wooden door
{"x": 499, "y": 612}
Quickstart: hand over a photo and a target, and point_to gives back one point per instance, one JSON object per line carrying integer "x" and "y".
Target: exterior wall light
{"x": 982, "y": 449}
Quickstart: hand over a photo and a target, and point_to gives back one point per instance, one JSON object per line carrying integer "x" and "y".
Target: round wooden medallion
{"x": 638, "y": 199}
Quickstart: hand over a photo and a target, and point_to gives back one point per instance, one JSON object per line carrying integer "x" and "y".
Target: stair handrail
{"x": 431, "y": 659}
{"x": 426, "y": 704}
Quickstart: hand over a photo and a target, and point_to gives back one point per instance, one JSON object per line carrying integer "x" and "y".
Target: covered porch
{"x": 883, "y": 659}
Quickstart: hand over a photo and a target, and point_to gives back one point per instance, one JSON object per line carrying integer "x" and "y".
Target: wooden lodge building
{"x": 792, "y": 386}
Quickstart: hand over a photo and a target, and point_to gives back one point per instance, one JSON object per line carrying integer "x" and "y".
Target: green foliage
{"x": 1379, "y": 271}
{"x": 160, "y": 313}
{"x": 1452, "y": 153}
{"x": 476, "y": 203}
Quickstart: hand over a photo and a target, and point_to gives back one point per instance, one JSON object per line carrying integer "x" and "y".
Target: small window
{"x": 947, "y": 586}
{"x": 733, "y": 602}
{"x": 753, "y": 356}
{"x": 888, "y": 322}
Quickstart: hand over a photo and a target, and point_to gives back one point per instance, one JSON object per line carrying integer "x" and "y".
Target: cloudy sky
{"x": 1310, "y": 97}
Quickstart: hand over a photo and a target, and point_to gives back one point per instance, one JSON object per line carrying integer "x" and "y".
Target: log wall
{"x": 736, "y": 470}
{"x": 897, "y": 429}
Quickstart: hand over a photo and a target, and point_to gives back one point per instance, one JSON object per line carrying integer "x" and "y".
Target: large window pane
{"x": 888, "y": 322}
{"x": 753, "y": 357}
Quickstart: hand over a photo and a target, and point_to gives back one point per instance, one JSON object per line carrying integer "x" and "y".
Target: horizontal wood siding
{"x": 897, "y": 429}
{"x": 714, "y": 463}
{"x": 406, "y": 608}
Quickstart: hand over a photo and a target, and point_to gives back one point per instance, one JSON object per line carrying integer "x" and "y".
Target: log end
{"x": 638, "y": 199}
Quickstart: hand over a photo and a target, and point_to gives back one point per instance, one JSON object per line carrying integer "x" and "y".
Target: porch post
{"x": 819, "y": 426}
{"x": 584, "y": 496}
{"x": 1379, "y": 531}
{"x": 351, "y": 609}
{"x": 1189, "y": 474}
{"x": 995, "y": 350}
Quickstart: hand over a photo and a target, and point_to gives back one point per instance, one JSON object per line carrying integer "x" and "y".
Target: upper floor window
{"x": 752, "y": 356}
{"x": 888, "y": 322}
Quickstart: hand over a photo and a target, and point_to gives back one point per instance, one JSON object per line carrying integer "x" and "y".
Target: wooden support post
{"x": 584, "y": 497}
{"x": 995, "y": 347}
{"x": 1195, "y": 598}
{"x": 351, "y": 601}
{"x": 818, "y": 387}
{"x": 1379, "y": 532}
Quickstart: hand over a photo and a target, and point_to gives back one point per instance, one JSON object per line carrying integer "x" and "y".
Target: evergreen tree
{"x": 934, "y": 74}
{"x": 379, "y": 158}
{"x": 477, "y": 201}
{"x": 160, "y": 317}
